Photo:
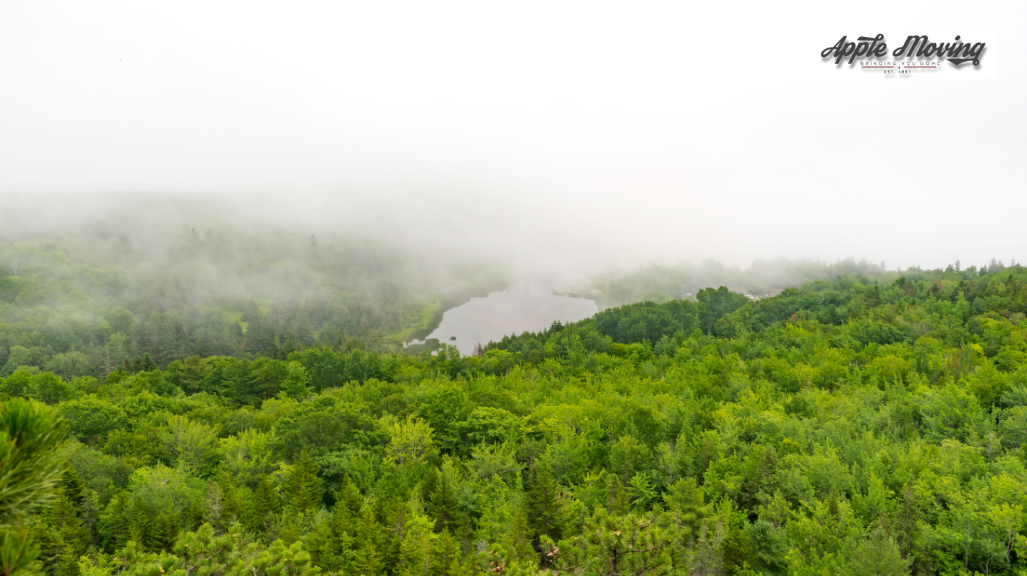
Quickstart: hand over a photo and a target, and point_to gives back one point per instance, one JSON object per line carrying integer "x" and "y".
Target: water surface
{"x": 520, "y": 308}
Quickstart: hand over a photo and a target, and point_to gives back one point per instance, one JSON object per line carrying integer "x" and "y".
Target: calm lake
{"x": 520, "y": 308}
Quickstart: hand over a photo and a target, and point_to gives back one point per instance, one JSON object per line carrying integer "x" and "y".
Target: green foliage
{"x": 628, "y": 544}
{"x": 205, "y": 552}
{"x": 411, "y": 442}
{"x": 857, "y": 426}
{"x": 29, "y": 439}
{"x": 303, "y": 484}
{"x": 120, "y": 298}
{"x": 543, "y": 507}
{"x": 193, "y": 445}
{"x": 30, "y": 469}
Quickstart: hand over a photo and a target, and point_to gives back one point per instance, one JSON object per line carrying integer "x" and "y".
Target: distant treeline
{"x": 100, "y": 300}
{"x": 657, "y": 283}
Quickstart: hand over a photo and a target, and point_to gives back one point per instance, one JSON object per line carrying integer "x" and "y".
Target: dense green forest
{"x": 89, "y": 303}
{"x": 862, "y": 425}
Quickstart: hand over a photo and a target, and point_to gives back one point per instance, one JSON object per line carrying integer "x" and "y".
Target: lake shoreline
{"x": 517, "y": 308}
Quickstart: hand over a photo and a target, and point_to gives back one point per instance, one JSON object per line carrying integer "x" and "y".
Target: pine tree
{"x": 342, "y": 518}
{"x": 545, "y": 514}
{"x": 66, "y": 513}
{"x": 443, "y": 505}
{"x": 258, "y": 336}
{"x": 616, "y": 496}
{"x": 446, "y": 560}
{"x": 686, "y": 502}
{"x": 266, "y": 505}
{"x": 291, "y": 527}
{"x": 416, "y": 547}
{"x": 239, "y": 384}
{"x": 319, "y": 543}
{"x": 609, "y": 544}
{"x": 350, "y": 496}
{"x": 116, "y": 532}
{"x": 67, "y": 564}
{"x": 373, "y": 543}
{"x": 304, "y": 485}
{"x": 388, "y": 510}
{"x": 30, "y": 434}
{"x": 903, "y": 520}
{"x": 428, "y": 483}
{"x": 140, "y": 524}
{"x": 62, "y": 536}
{"x": 521, "y": 538}
{"x": 165, "y": 530}
{"x": 337, "y": 548}
{"x": 167, "y": 340}
{"x": 214, "y": 509}
{"x": 233, "y": 509}
{"x": 72, "y": 485}
{"x": 204, "y": 346}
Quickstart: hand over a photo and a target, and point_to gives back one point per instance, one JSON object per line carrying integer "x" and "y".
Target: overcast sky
{"x": 606, "y": 133}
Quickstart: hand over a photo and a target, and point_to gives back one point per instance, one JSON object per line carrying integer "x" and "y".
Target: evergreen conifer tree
{"x": 31, "y": 461}
{"x": 544, "y": 511}
{"x": 266, "y": 505}
{"x": 446, "y": 561}
{"x": 350, "y": 497}
{"x": 304, "y": 485}
{"x": 616, "y": 496}
{"x": 66, "y": 512}
{"x": 165, "y": 530}
{"x": 337, "y": 548}
{"x": 444, "y": 506}
{"x": 115, "y": 533}
{"x": 686, "y": 502}
{"x": 62, "y": 535}
{"x": 372, "y": 545}
{"x": 140, "y": 524}
{"x": 521, "y": 538}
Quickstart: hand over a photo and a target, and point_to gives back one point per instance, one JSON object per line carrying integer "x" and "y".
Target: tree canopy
{"x": 857, "y": 425}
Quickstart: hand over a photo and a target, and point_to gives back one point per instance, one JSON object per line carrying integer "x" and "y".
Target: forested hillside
{"x": 852, "y": 426}
{"x": 112, "y": 297}
{"x": 660, "y": 284}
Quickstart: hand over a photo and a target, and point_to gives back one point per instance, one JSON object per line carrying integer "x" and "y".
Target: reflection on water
{"x": 520, "y": 308}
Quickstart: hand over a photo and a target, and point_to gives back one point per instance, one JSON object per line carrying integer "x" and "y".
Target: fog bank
{"x": 570, "y": 138}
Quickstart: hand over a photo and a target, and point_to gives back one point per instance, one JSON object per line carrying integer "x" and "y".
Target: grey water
{"x": 523, "y": 307}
